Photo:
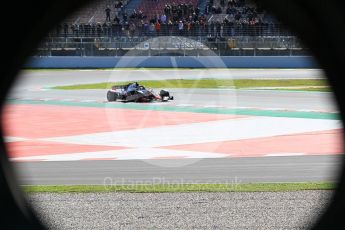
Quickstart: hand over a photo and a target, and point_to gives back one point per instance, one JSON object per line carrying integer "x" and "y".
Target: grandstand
{"x": 154, "y": 9}
{"x": 95, "y": 11}
{"x": 230, "y": 27}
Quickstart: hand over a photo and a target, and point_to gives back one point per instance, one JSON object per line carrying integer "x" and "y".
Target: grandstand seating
{"x": 91, "y": 21}
{"x": 202, "y": 5}
{"x": 151, "y": 8}
{"x": 95, "y": 12}
{"x": 133, "y": 5}
{"x": 87, "y": 32}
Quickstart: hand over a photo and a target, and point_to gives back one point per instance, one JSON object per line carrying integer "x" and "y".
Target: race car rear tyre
{"x": 112, "y": 96}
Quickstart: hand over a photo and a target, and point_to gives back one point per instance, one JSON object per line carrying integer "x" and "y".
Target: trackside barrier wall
{"x": 173, "y": 62}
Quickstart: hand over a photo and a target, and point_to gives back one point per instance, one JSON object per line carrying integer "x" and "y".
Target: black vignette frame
{"x": 320, "y": 25}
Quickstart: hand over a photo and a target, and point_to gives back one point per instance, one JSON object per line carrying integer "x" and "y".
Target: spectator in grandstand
{"x": 214, "y": 9}
{"x": 132, "y": 29}
{"x": 133, "y": 15}
{"x": 99, "y": 29}
{"x": 238, "y": 16}
{"x": 112, "y": 28}
{"x": 87, "y": 30}
{"x": 167, "y": 10}
{"x": 180, "y": 18}
{"x": 158, "y": 28}
{"x": 232, "y": 3}
{"x": 116, "y": 20}
{"x": 218, "y": 10}
{"x": 145, "y": 28}
{"x": 180, "y": 28}
{"x": 116, "y": 29}
{"x": 125, "y": 17}
{"x": 106, "y": 29}
{"x": 195, "y": 28}
{"x": 141, "y": 15}
{"x": 179, "y": 11}
{"x": 195, "y": 17}
{"x": 65, "y": 29}
{"x": 189, "y": 28}
{"x": 75, "y": 30}
{"x": 156, "y": 18}
{"x": 151, "y": 29}
{"x": 231, "y": 10}
{"x": 207, "y": 9}
{"x": 197, "y": 11}
{"x": 123, "y": 9}
{"x": 93, "y": 29}
{"x": 163, "y": 18}
{"x": 118, "y": 4}
{"x": 107, "y": 14}
{"x": 170, "y": 27}
{"x": 125, "y": 29}
{"x": 220, "y": 30}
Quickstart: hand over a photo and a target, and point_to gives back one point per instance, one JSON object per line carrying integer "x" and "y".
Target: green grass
{"x": 208, "y": 83}
{"x": 160, "y": 188}
{"x": 314, "y": 89}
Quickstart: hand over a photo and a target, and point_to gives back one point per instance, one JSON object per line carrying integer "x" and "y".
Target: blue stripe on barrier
{"x": 170, "y": 62}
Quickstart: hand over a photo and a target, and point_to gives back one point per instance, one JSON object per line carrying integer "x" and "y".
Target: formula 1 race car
{"x": 134, "y": 92}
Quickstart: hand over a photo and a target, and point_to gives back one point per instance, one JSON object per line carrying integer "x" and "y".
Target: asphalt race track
{"x": 34, "y": 84}
{"x": 275, "y": 99}
{"x": 280, "y": 136}
{"x": 38, "y": 78}
{"x": 206, "y": 171}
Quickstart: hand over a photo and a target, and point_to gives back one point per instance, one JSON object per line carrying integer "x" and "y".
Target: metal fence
{"x": 171, "y": 46}
{"x": 214, "y": 29}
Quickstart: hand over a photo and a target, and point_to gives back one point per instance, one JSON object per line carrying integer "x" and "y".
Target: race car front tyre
{"x": 112, "y": 96}
{"x": 164, "y": 93}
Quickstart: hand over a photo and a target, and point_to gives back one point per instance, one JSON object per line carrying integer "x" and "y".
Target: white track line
{"x": 214, "y": 131}
{"x": 284, "y": 154}
{"x": 126, "y": 154}
{"x": 14, "y": 139}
